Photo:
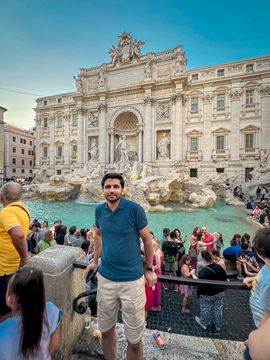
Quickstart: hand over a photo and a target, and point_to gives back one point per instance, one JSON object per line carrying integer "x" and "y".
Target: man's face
{"x": 204, "y": 231}
{"x": 112, "y": 190}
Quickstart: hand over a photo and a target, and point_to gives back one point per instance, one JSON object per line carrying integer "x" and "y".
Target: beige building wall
{"x": 2, "y": 111}
{"x": 19, "y": 152}
{"x": 214, "y": 119}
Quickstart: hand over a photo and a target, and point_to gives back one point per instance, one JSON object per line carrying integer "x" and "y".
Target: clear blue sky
{"x": 43, "y": 43}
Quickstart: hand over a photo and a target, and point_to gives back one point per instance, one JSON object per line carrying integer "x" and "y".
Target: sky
{"x": 43, "y": 43}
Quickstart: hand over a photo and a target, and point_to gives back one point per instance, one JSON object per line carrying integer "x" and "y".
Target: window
{"x": 14, "y": 138}
{"x": 221, "y": 101}
{"x": 193, "y": 172}
{"x": 74, "y": 120}
{"x": 14, "y": 170}
{"x": 59, "y": 121}
{"x": 249, "y": 98}
{"x": 194, "y": 144}
{"x": 30, "y": 162}
{"x": 249, "y": 142}
{"x": 22, "y": 161}
{"x": 249, "y": 68}
{"x": 59, "y": 172}
{"x": 22, "y": 170}
{"x": 220, "y": 170}
{"x": 14, "y": 161}
{"x": 194, "y": 77}
{"x": 220, "y": 142}
{"x": 22, "y": 151}
{"x": 13, "y": 149}
{"x": 59, "y": 100}
{"x": 45, "y": 102}
{"x": 45, "y": 151}
{"x": 45, "y": 123}
{"x": 74, "y": 151}
{"x": 220, "y": 72}
{"x": 194, "y": 104}
{"x": 31, "y": 143}
{"x": 30, "y": 171}
{"x": 59, "y": 151}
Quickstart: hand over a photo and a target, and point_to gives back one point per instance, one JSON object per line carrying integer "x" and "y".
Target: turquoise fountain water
{"x": 227, "y": 220}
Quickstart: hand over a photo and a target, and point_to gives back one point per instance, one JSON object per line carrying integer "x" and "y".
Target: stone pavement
{"x": 238, "y": 320}
{"x": 177, "y": 347}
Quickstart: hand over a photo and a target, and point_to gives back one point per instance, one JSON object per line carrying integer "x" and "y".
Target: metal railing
{"x": 81, "y": 307}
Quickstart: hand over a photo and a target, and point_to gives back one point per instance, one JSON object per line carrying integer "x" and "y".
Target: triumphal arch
{"x": 148, "y": 109}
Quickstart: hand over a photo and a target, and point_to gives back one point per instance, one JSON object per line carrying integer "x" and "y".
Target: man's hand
{"x": 150, "y": 278}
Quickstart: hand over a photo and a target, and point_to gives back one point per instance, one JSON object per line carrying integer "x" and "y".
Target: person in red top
{"x": 208, "y": 239}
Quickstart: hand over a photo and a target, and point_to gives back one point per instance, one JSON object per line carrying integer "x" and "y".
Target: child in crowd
{"x": 33, "y": 330}
{"x": 170, "y": 250}
{"x": 186, "y": 272}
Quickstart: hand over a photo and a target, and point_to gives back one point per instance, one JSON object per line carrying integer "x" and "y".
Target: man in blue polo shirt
{"x": 120, "y": 224}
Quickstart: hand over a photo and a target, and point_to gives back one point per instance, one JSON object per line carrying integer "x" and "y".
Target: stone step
{"x": 177, "y": 347}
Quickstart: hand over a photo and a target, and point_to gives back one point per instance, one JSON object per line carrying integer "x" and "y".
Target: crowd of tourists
{"x": 28, "y": 331}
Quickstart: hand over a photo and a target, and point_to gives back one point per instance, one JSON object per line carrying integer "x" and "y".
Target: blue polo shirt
{"x": 121, "y": 257}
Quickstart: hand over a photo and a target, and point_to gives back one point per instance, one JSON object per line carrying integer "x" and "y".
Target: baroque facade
{"x": 149, "y": 108}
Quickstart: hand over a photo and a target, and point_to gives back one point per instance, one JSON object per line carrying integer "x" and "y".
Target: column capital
{"x": 149, "y": 100}
{"x": 80, "y": 110}
{"x": 102, "y": 107}
{"x": 176, "y": 97}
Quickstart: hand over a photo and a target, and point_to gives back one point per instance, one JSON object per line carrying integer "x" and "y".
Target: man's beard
{"x": 112, "y": 201}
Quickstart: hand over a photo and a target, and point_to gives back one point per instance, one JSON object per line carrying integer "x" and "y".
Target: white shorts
{"x": 130, "y": 297}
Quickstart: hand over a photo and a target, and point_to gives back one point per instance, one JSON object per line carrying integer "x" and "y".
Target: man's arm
{"x": 150, "y": 276}
{"x": 19, "y": 241}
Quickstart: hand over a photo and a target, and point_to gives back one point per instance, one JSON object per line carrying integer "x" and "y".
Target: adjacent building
{"x": 19, "y": 147}
{"x": 2, "y": 111}
{"x": 213, "y": 119}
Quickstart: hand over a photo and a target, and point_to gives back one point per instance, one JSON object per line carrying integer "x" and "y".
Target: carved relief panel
{"x": 163, "y": 112}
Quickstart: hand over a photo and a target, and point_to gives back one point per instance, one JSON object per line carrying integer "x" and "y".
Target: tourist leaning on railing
{"x": 211, "y": 299}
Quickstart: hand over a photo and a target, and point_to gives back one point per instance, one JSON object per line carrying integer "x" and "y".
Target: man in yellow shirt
{"x": 14, "y": 226}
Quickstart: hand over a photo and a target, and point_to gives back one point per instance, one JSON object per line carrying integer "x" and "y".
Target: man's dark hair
{"x": 112, "y": 175}
{"x": 166, "y": 231}
{"x": 172, "y": 234}
{"x": 36, "y": 224}
{"x": 244, "y": 246}
{"x": 72, "y": 230}
{"x": 261, "y": 242}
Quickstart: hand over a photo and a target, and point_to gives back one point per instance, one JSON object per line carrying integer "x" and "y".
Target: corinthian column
{"x": 178, "y": 126}
{"x": 80, "y": 137}
{"x": 148, "y": 135}
{"x": 102, "y": 133}
{"x": 52, "y": 144}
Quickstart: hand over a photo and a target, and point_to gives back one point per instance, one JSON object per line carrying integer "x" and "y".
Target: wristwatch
{"x": 149, "y": 268}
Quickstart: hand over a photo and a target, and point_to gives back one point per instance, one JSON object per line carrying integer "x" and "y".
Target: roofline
{"x": 52, "y": 96}
{"x": 231, "y": 63}
{"x": 1, "y": 107}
